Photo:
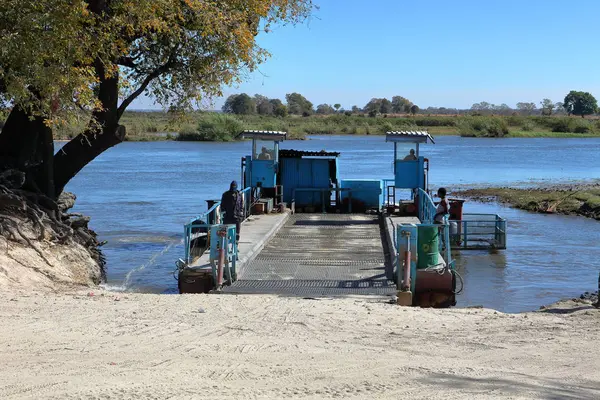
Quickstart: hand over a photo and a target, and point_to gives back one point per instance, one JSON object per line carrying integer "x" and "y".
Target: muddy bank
{"x": 577, "y": 199}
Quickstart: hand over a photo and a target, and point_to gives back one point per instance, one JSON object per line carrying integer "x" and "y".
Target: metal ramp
{"x": 317, "y": 255}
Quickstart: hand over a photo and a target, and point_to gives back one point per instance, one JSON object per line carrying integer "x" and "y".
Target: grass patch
{"x": 549, "y": 134}
{"x": 146, "y": 126}
{"x": 578, "y": 200}
{"x": 482, "y": 127}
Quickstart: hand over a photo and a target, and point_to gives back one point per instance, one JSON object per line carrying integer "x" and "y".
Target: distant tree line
{"x": 575, "y": 103}
{"x": 297, "y": 104}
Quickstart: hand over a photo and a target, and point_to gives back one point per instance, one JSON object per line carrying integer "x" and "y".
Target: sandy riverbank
{"x": 141, "y": 346}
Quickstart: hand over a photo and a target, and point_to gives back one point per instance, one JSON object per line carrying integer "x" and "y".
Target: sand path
{"x": 71, "y": 346}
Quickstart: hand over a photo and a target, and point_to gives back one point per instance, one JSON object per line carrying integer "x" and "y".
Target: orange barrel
{"x": 456, "y": 209}
{"x": 456, "y": 214}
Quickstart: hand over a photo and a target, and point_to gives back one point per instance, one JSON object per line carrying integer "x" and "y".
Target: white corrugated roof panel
{"x": 408, "y": 136}
{"x": 267, "y": 135}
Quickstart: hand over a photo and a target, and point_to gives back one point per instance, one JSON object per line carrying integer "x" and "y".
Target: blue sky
{"x": 434, "y": 52}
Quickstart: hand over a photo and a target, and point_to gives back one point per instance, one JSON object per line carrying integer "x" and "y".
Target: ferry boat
{"x": 307, "y": 232}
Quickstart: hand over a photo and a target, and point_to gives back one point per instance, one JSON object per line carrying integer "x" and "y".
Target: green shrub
{"x": 482, "y": 126}
{"x": 582, "y": 126}
{"x": 432, "y": 121}
{"x": 516, "y": 120}
{"x": 213, "y": 127}
{"x": 528, "y": 126}
{"x": 563, "y": 124}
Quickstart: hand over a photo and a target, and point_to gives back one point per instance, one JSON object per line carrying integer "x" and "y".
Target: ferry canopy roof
{"x": 285, "y": 153}
{"x": 408, "y": 136}
{"x": 264, "y": 135}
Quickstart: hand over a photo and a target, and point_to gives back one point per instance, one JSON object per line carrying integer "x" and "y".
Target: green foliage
{"x": 178, "y": 52}
{"x": 581, "y": 126}
{"x": 434, "y": 121}
{"x": 482, "y": 127}
{"x": 378, "y": 106}
{"x": 141, "y": 125}
{"x": 279, "y": 109}
{"x": 372, "y": 107}
{"x": 263, "y": 105}
{"x": 528, "y": 126}
{"x": 240, "y": 104}
{"x": 563, "y": 124}
{"x": 580, "y": 103}
{"x": 214, "y": 127}
{"x": 324, "y": 109}
{"x": 385, "y": 107}
{"x": 401, "y": 105}
{"x": 515, "y": 120}
{"x": 526, "y": 108}
{"x": 298, "y": 104}
{"x": 547, "y": 107}
{"x": 569, "y": 125}
{"x": 414, "y": 109}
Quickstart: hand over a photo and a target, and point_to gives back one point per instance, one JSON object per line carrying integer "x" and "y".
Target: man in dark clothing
{"x": 232, "y": 206}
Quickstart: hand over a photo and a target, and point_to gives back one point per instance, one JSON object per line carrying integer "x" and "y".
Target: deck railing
{"x": 213, "y": 216}
{"x": 478, "y": 231}
{"x": 390, "y": 195}
{"x": 427, "y": 208}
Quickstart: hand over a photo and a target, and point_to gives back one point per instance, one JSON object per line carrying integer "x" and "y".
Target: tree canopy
{"x": 526, "y": 107}
{"x": 279, "y": 109}
{"x": 177, "y": 51}
{"x": 401, "y": 104}
{"x": 580, "y": 103}
{"x": 97, "y": 56}
{"x": 240, "y": 104}
{"x": 325, "y": 109}
{"x": 547, "y": 106}
{"x": 298, "y": 104}
{"x": 263, "y": 105}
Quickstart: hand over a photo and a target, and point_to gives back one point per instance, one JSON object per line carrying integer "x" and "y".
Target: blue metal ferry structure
{"x": 306, "y": 232}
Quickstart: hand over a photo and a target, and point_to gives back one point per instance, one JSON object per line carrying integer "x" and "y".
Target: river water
{"x": 139, "y": 195}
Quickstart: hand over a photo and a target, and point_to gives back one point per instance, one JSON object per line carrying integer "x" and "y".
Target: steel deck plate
{"x": 321, "y": 255}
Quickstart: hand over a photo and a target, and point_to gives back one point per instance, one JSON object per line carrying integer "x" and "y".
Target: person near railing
{"x": 443, "y": 208}
{"x": 233, "y": 208}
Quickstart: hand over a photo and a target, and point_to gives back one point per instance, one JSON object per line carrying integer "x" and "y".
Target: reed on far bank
{"x": 213, "y": 126}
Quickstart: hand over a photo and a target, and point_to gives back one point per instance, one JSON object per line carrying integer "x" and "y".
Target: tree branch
{"x": 127, "y": 62}
{"x": 153, "y": 75}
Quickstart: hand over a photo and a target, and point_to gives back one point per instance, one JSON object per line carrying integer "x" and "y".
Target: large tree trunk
{"x": 27, "y": 145}
{"x": 103, "y": 133}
